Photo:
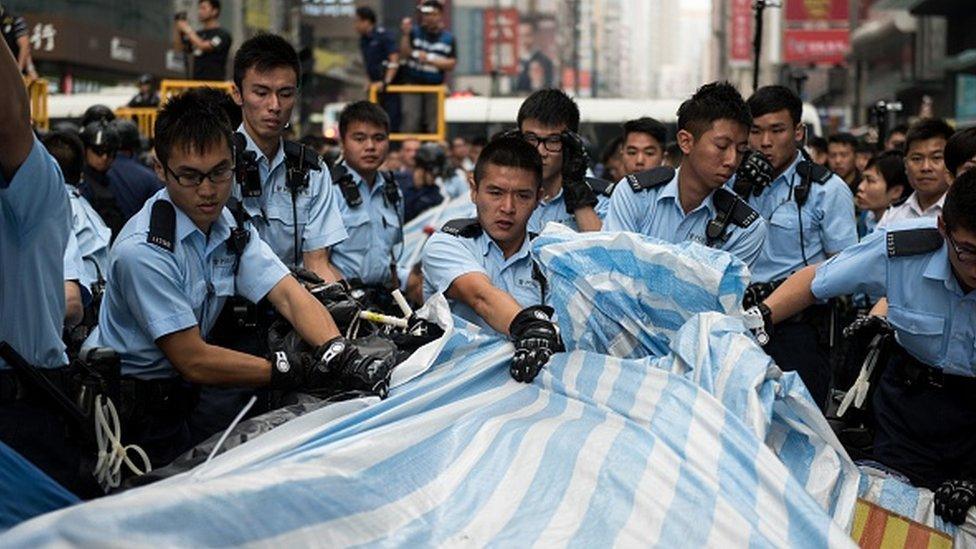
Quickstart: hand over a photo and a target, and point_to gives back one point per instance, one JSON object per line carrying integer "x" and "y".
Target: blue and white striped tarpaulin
{"x": 694, "y": 439}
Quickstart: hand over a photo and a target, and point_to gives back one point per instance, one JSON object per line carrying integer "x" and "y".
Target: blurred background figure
{"x": 147, "y": 96}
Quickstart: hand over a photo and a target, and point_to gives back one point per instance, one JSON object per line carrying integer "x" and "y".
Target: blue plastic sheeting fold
{"x": 25, "y": 491}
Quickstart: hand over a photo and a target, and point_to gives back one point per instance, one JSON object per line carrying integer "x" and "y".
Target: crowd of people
{"x": 231, "y": 259}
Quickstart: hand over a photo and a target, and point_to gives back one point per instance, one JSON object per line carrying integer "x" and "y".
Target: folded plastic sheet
{"x": 25, "y": 491}
{"x": 691, "y": 437}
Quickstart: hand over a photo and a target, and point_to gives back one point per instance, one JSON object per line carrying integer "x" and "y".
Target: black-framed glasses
{"x": 192, "y": 178}
{"x": 964, "y": 255}
{"x": 552, "y": 143}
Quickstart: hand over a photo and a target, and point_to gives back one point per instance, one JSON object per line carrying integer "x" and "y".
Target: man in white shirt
{"x": 927, "y": 173}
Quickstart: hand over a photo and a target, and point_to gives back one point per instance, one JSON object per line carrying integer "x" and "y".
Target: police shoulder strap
{"x": 809, "y": 173}
{"x": 342, "y": 177}
{"x": 162, "y": 225}
{"x": 391, "y": 191}
{"x": 464, "y": 228}
{"x": 913, "y": 242}
{"x": 650, "y": 179}
{"x": 601, "y": 186}
{"x": 729, "y": 209}
{"x": 302, "y": 156}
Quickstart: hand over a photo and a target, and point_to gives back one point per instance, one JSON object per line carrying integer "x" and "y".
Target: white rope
{"x": 858, "y": 392}
{"x": 240, "y": 416}
{"x": 111, "y": 453}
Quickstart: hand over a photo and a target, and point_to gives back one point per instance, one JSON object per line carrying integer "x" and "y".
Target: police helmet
{"x": 66, "y": 127}
{"x": 145, "y": 79}
{"x": 96, "y": 113}
{"x": 101, "y": 136}
{"x": 128, "y": 134}
{"x": 432, "y": 158}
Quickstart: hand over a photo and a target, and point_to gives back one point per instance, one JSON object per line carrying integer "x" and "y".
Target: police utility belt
{"x": 913, "y": 373}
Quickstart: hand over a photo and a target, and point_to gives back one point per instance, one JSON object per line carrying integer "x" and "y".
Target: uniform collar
{"x": 787, "y": 176}
{"x": 361, "y": 182}
{"x": 939, "y": 268}
{"x": 279, "y": 156}
{"x": 487, "y": 242}
{"x": 554, "y": 200}
{"x": 671, "y": 190}
{"x": 913, "y": 205}
{"x": 185, "y": 227}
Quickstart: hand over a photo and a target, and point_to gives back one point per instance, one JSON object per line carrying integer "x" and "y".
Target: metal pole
{"x": 759, "y": 7}
{"x": 576, "y": 52}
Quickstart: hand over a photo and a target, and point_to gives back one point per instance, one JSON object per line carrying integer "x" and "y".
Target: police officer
{"x": 809, "y": 213}
{"x": 923, "y": 407}
{"x": 371, "y": 204}
{"x": 77, "y": 287}
{"x": 549, "y": 120}
{"x": 484, "y": 266}
{"x": 692, "y": 203}
{"x": 298, "y": 219}
{"x": 101, "y": 143}
{"x": 131, "y": 181}
{"x": 381, "y": 57}
{"x": 642, "y": 147}
{"x": 172, "y": 268}
{"x": 147, "y": 96}
{"x": 34, "y": 229}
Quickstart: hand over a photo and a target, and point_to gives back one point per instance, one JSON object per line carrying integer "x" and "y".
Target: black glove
{"x": 576, "y": 191}
{"x": 536, "y": 338}
{"x": 290, "y": 357}
{"x": 354, "y": 371}
{"x": 755, "y": 173}
{"x": 338, "y": 299}
{"x": 868, "y": 326}
{"x": 306, "y": 277}
{"x": 954, "y": 499}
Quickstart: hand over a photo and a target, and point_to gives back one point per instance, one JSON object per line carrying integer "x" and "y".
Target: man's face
{"x": 206, "y": 12}
{"x": 408, "y": 153}
{"x": 552, "y": 160}
{"x": 840, "y": 159}
{"x": 716, "y": 154}
{"x": 861, "y": 160}
{"x": 460, "y": 149}
{"x": 267, "y": 100}
{"x": 966, "y": 166}
{"x": 641, "y": 152}
{"x": 872, "y": 191}
{"x": 505, "y": 199}
{"x": 204, "y": 202}
{"x": 365, "y": 146}
{"x": 99, "y": 158}
{"x": 895, "y": 142}
{"x": 817, "y": 155}
{"x": 963, "y": 266}
{"x": 431, "y": 21}
{"x": 362, "y": 26}
{"x": 925, "y": 166}
{"x": 775, "y": 135}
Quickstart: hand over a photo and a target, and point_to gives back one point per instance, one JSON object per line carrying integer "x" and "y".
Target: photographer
{"x": 209, "y": 46}
{"x": 419, "y": 186}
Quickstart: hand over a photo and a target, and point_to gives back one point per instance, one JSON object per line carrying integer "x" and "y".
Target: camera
{"x": 884, "y": 107}
{"x": 179, "y": 16}
{"x": 432, "y": 158}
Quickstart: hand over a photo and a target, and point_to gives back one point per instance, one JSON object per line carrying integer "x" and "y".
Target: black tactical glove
{"x": 338, "y": 299}
{"x": 867, "y": 326}
{"x": 954, "y": 499}
{"x": 536, "y": 338}
{"x": 755, "y": 173}
{"x": 306, "y": 277}
{"x": 338, "y": 366}
{"x": 577, "y": 193}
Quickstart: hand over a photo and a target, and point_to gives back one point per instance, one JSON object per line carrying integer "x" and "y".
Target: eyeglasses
{"x": 192, "y": 178}
{"x": 964, "y": 255}
{"x": 552, "y": 143}
{"x": 102, "y": 151}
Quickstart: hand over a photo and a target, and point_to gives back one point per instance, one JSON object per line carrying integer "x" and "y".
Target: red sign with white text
{"x": 501, "y": 45}
{"x": 807, "y": 11}
{"x": 740, "y": 31}
{"x": 825, "y": 47}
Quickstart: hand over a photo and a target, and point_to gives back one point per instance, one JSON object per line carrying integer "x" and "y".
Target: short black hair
{"x": 194, "y": 121}
{"x": 711, "y": 102}
{"x": 843, "y": 138}
{"x": 770, "y": 99}
{"x": 900, "y": 128}
{"x": 817, "y": 143}
{"x": 959, "y": 210}
{"x": 891, "y": 166}
{"x": 960, "y": 148}
{"x": 367, "y": 13}
{"x": 363, "y": 111}
{"x": 265, "y": 52}
{"x": 674, "y": 153}
{"x": 68, "y": 152}
{"x": 928, "y": 128}
{"x": 215, "y": 4}
{"x": 550, "y": 107}
{"x": 510, "y": 152}
{"x": 648, "y": 125}
{"x": 611, "y": 148}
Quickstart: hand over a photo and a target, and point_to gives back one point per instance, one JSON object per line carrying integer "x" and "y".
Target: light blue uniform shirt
{"x": 447, "y": 257}
{"x": 74, "y": 269}
{"x": 93, "y": 235}
{"x": 319, "y": 223}
{"x": 152, "y": 292}
{"x": 554, "y": 209}
{"x": 657, "y": 212}
{"x": 35, "y": 221}
{"x": 933, "y": 319}
{"x": 375, "y": 228}
{"x": 829, "y": 225}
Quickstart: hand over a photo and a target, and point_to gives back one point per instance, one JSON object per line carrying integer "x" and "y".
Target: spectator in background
{"x": 393, "y": 163}
{"x": 477, "y": 144}
{"x": 884, "y": 183}
{"x": 926, "y": 169}
{"x": 381, "y": 57}
{"x": 14, "y": 30}
{"x": 611, "y": 163}
{"x": 209, "y": 46}
{"x": 673, "y": 155}
{"x": 817, "y": 149}
{"x": 147, "y": 96}
{"x": 960, "y": 152}
{"x": 841, "y": 149}
{"x": 408, "y": 154}
{"x": 429, "y": 52}
{"x": 461, "y": 154}
{"x": 643, "y": 145}
{"x": 896, "y": 138}
{"x": 863, "y": 154}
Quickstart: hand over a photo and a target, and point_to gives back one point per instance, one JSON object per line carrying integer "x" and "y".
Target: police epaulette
{"x": 601, "y": 186}
{"x": 655, "y": 177}
{"x": 465, "y": 227}
{"x": 162, "y": 225}
{"x": 818, "y": 173}
{"x": 738, "y": 210}
{"x": 913, "y": 242}
{"x": 310, "y": 159}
